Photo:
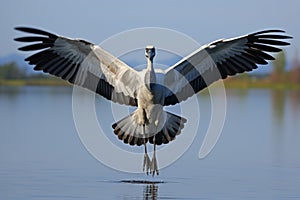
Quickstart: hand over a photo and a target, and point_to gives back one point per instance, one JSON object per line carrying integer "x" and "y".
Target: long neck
{"x": 150, "y": 64}
{"x": 150, "y": 76}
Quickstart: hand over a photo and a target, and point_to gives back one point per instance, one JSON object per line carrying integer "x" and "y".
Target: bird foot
{"x": 146, "y": 163}
{"x": 154, "y": 168}
{"x": 150, "y": 167}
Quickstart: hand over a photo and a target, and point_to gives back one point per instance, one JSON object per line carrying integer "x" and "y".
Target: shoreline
{"x": 237, "y": 84}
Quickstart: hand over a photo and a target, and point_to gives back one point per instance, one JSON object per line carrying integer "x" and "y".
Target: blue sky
{"x": 95, "y": 21}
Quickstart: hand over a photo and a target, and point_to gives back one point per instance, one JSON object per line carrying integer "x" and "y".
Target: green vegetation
{"x": 253, "y": 82}
{"x": 11, "y": 71}
{"x": 279, "y": 78}
{"x": 11, "y": 74}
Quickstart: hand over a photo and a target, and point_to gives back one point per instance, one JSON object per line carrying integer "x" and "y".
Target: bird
{"x": 89, "y": 66}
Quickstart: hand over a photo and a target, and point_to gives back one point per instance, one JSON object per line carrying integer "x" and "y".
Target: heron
{"x": 88, "y": 65}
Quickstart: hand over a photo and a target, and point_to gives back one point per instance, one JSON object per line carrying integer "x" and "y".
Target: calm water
{"x": 257, "y": 156}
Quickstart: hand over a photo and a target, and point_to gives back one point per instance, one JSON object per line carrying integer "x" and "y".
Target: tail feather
{"x": 132, "y": 133}
{"x": 127, "y": 131}
{"x": 173, "y": 126}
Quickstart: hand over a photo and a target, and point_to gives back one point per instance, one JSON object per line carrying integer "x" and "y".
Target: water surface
{"x": 257, "y": 156}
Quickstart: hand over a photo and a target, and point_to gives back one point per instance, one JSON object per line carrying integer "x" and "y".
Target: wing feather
{"x": 218, "y": 60}
{"x": 81, "y": 63}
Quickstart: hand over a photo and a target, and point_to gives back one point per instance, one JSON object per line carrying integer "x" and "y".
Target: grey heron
{"x": 88, "y": 65}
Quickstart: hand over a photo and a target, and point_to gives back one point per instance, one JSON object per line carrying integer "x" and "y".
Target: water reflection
{"x": 9, "y": 91}
{"x": 278, "y": 106}
{"x": 283, "y": 100}
{"x": 150, "y": 192}
{"x": 149, "y": 189}
{"x": 294, "y": 100}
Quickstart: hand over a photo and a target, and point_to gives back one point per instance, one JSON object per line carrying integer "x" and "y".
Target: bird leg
{"x": 146, "y": 163}
{"x": 154, "y": 168}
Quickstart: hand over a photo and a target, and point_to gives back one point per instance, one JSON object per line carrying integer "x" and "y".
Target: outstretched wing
{"x": 82, "y": 63}
{"x": 218, "y": 60}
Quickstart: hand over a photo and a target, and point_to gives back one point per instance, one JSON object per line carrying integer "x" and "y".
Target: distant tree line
{"x": 11, "y": 71}
{"x": 280, "y": 74}
{"x": 294, "y": 73}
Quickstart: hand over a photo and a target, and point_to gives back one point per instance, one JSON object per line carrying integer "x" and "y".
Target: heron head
{"x": 150, "y": 52}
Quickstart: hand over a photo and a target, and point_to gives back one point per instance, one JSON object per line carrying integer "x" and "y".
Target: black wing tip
{"x": 44, "y": 40}
{"x": 272, "y": 31}
{"x": 18, "y": 39}
{"x": 35, "y": 31}
{"x": 27, "y": 29}
{"x": 269, "y": 31}
{"x": 20, "y": 28}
